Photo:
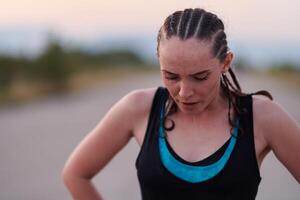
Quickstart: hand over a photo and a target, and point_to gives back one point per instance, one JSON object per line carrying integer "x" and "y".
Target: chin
{"x": 194, "y": 109}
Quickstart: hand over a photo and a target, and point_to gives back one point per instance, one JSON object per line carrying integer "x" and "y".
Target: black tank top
{"x": 239, "y": 178}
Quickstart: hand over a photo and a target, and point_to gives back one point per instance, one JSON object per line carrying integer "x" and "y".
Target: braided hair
{"x": 204, "y": 26}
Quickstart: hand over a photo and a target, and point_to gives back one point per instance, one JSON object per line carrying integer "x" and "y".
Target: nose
{"x": 185, "y": 91}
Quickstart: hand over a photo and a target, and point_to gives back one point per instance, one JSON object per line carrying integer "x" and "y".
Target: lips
{"x": 189, "y": 103}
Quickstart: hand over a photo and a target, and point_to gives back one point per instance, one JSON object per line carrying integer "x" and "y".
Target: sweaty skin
{"x": 203, "y": 125}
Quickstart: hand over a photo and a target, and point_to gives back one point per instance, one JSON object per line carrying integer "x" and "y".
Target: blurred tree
{"x": 53, "y": 67}
{"x": 121, "y": 56}
{"x": 8, "y": 66}
{"x": 283, "y": 67}
{"x": 86, "y": 60}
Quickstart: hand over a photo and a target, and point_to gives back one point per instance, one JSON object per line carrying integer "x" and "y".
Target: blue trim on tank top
{"x": 190, "y": 173}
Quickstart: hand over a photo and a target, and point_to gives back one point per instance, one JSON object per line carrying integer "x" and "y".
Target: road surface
{"x": 37, "y": 138}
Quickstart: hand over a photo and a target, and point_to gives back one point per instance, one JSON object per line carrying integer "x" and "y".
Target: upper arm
{"x": 282, "y": 133}
{"x": 110, "y": 135}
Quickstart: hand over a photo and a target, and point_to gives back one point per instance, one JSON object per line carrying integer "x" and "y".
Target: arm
{"x": 282, "y": 134}
{"x": 111, "y": 134}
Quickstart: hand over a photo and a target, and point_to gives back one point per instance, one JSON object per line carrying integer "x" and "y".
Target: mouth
{"x": 188, "y": 103}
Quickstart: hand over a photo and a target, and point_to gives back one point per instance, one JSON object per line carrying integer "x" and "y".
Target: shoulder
{"x": 129, "y": 109}
{"x": 139, "y": 101}
{"x": 110, "y": 135}
{"x": 280, "y": 131}
{"x": 272, "y": 119}
{"x": 267, "y": 111}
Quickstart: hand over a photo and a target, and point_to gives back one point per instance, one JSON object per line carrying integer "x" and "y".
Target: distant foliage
{"x": 56, "y": 65}
{"x": 108, "y": 59}
{"x": 284, "y": 67}
{"x": 288, "y": 72}
{"x": 10, "y": 69}
{"x": 7, "y": 70}
{"x": 119, "y": 57}
{"x": 52, "y": 66}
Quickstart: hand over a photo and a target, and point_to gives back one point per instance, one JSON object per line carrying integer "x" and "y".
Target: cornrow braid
{"x": 200, "y": 13}
{"x": 183, "y": 26}
{"x": 220, "y": 45}
{"x": 204, "y": 26}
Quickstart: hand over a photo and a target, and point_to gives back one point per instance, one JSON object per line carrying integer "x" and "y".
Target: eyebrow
{"x": 195, "y": 74}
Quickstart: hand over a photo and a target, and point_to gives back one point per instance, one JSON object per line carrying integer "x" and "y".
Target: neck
{"x": 218, "y": 103}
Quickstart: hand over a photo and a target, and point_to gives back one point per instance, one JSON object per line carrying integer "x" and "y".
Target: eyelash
{"x": 197, "y": 79}
{"x": 201, "y": 79}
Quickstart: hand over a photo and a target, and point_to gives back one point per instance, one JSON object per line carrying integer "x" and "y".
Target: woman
{"x": 201, "y": 137}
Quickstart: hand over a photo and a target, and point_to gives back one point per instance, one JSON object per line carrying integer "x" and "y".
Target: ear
{"x": 227, "y": 62}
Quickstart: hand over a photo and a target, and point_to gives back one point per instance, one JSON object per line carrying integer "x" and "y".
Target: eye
{"x": 171, "y": 77}
{"x": 201, "y": 78}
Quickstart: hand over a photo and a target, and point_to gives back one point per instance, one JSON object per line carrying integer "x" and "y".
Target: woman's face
{"x": 190, "y": 73}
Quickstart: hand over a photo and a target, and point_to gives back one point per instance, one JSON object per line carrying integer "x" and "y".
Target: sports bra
{"x": 231, "y": 172}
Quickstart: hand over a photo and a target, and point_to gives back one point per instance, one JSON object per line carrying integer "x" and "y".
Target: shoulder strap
{"x": 152, "y": 125}
{"x": 154, "y": 116}
{"x": 246, "y": 117}
{"x": 158, "y": 99}
{"x": 248, "y": 142}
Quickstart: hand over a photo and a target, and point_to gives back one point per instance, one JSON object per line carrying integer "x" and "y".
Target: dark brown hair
{"x": 204, "y": 26}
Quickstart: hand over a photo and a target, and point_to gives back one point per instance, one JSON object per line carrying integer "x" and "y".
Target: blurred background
{"x": 63, "y": 64}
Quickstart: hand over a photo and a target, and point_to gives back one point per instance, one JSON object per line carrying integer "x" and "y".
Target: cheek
{"x": 208, "y": 88}
{"x": 213, "y": 84}
{"x": 171, "y": 86}
{"x": 213, "y": 88}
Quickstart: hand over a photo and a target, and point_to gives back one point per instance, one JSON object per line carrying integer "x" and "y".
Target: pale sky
{"x": 261, "y": 30}
{"x": 265, "y": 19}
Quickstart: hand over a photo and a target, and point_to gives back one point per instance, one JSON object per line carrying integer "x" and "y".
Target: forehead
{"x": 189, "y": 55}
